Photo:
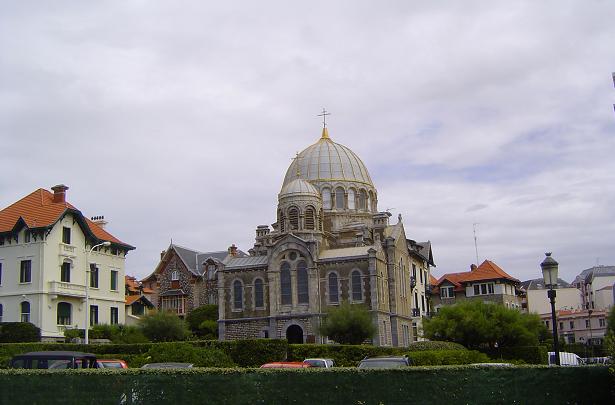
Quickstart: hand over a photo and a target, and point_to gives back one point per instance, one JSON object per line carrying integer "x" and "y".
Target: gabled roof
{"x": 38, "y": 210}
{"x": 131, "y": 299}
{"x": 486, "y": 271}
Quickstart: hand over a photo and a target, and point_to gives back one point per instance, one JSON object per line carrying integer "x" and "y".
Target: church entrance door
{"x": 294, "y": 334}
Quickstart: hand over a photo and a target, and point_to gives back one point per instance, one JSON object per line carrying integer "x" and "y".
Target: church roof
{"x": 328, "y": 161}
{"x": 245, "y": 262}
{"x": 344, "y": 253}
{"x": 298, "y": 187}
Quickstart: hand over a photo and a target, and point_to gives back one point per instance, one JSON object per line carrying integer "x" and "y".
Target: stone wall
{"x": 245, "y": 329}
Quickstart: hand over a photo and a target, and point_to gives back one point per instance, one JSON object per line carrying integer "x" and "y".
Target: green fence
{"x": 422, "y": 385}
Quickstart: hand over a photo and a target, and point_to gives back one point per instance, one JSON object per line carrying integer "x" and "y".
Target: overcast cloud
{"x": 179, "y": 119}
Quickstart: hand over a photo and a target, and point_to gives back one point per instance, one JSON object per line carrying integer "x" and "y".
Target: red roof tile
{"x": 130, "y": 299}
{"x": 38, "y": 210}
{"x": 486, "y": 271}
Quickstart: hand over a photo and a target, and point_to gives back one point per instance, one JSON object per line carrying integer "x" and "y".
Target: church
{"x": 329, "y": 245}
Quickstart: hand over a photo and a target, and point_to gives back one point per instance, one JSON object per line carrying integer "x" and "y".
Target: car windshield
{"x": 106, "y": 364}
{"x": 382, "y": 363}
{"x": 315, "y": 363}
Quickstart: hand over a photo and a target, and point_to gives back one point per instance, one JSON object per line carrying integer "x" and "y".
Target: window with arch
{"x": 175, "y": 275}
{"x": 1, "y": 312}
{"x": 351, "y": 199}
{"x": 293, "y": 217}
{"x": 340, "y": 198}
{"x": 237, "y": 295}
{"x": 362, "y": 200}
{"x": 334, "y": 294}
{"x": 281, "y": 221}
{"x": 355, "y": 283}
{"x": 25, "y": 311}
{"x": 371, "y": 201}
{"x": 64, "y": 313}
{"x": 326, "y": 198}
{"x": 65, "y": 272}
{"x": 309, "y": 218}
{"x": 303, "y": 295}
{"x": 285, "y": 284}
{"x": 259, "y": 293}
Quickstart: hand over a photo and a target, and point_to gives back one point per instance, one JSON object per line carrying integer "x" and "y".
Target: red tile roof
{"x": 486, "y": 271}
{"x": 38, "y": 210}
{"x": 133, "y": 286}
{"x": 130, "y": 299}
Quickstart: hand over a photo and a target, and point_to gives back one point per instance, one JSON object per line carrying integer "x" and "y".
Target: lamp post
{"x": 87, "y": 295}
{"x": 549, "y": 273}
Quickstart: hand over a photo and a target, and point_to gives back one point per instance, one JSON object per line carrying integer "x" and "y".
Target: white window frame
{"x": 489, "y": 288}
{"x": 450, "y": 292}
{"x": 175, "y": 275}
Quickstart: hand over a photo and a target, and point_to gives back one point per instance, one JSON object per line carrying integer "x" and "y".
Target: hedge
{"x": 431, "y": 385}
{"x": 520, "y": 354}
{"x": 446, "y": 357}
{"x": 14, "y": 332}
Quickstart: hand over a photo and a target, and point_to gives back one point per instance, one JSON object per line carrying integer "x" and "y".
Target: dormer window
{"x": 211, "y": 271}
{"x": 447, "y": 292}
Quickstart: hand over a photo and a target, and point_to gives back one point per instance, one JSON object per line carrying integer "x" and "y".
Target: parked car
{"x": 167, "y": 365}
{"x": 111, "y": 363}
{"x": 384, "y": 362}
{"x": 322, "y": 363}
{"x": 54, "y": 360}
{"x": 286, "y": 364}
{"x": 565, "y": 359}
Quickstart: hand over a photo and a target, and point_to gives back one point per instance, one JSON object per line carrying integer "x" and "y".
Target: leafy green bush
{"x": 435, "y": 345}
{"x": 163, "y": 327}
{"x": 343, "y": 355}
{"x": 186, "y": 353}
{"x": 203, "y": 321}
{"x": 446, "y": 357}
{"x": 16, "y": 332}
{"x": 519, "y": 354}
{"x": 255, "y": 352}
{"x": 348, "y": 324}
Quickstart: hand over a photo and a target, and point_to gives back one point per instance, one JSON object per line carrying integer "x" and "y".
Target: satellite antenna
{"x": 475, "y": 241}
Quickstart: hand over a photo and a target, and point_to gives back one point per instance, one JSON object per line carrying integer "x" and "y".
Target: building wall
{"x": 566, "y": 298}
{"x": 46, "y": 290}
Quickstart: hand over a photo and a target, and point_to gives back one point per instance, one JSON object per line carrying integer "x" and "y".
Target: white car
{"x": 565, "y": 359}
{"x": 322, "y": 363}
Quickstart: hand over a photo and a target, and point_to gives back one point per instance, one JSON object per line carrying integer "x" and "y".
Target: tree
{"x": 476, "y": 324}
{"x": 163, "y": 327}
{"x": 348, "y": 324}
{"x": 203, "y": 321}
{"x": 610, "y": 322}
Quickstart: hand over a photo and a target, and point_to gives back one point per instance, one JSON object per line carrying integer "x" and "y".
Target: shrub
{"x": 199, "y": 315}
{"x": 435, "y": 345}
{"x": 186, "y": 353}
{"x": 255, "y": 352}
{"x": 519, "y": 354}
{"x": 446, "y": 357}
{"x": 16, "y": 332}
{"x": 163, "y": 327}
{"x": 348, "y": 324}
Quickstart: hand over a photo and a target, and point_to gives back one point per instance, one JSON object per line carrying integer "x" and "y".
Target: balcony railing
{"x": 66, "y": 289}
{"x": 67, "y": 250}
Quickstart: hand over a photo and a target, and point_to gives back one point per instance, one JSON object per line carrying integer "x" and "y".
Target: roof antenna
{"x": 475, "y": 241}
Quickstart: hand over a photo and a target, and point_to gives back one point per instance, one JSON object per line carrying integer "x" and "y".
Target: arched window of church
{"x": 351, "y": 199}
{"x": 303, "y": 295}
{"x": 339, "y": 198}
{"x": 362, "y": 200}
{"x": 237, "y": 295}
{"x": 326, "y": 198}
{"x": 281, "y": 221}
{"x": 355, "y": 282}
{"x": 293, "y": 217}
{"x": 371, "y": 202}
{"x": 259, "y": 294}
{"x": 285, "y": 286}
{"x": 334, "y": 292}
{"x": 309, "y": 218}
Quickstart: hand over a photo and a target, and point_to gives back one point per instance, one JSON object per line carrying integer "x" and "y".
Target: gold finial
{"x": 325, "y": 132}
{"x": 296, "y": 159}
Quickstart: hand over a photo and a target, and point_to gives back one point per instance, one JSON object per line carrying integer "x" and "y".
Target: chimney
{"x": 232, "y": 250}
{"x": 100, "y": 221}
{"x": 59, "y": 193}
{"x": 473, "y": 267}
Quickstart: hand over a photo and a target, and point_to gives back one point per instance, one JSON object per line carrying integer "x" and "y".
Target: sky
{"x": 177, "y": 120}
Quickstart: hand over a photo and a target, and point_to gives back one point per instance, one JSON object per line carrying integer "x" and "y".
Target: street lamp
{"x": 549, "y": 273}
{"x": 87, "y": 295}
